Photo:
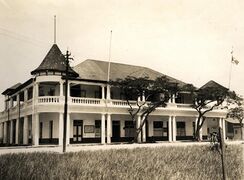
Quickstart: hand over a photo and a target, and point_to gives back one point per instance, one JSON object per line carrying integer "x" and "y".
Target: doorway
{"x": 77, "y": 131}
{"x": 115, "y": 131}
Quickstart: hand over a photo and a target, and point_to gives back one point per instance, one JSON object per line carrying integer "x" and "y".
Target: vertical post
{"x": 5, "y": 133}
{"x": 170, "y": 129}
{"x": 17, "y": 131}
{"x": 103, "y": 129}
{"x": 60, "y": 127}
{"x": 174, "y": 128}
{"x": 223, "y": 127}
{"x": 68, "y": 129}
{"x": 103, "y": 92}
{"x": 109, "y": 128}
{"x": 108, "y": 92}
{"x": 173, "y": 98}
{"x": 222, "y": 147}
{"x": 25, "y": 132}
{"x": 11, "y": 132}
{"x": 66, "y": 100}
{"x": 35, "y": 129}
{"x": 61, "y": 88}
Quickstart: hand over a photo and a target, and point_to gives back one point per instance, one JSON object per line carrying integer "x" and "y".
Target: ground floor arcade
{"x": 47, "y": 128}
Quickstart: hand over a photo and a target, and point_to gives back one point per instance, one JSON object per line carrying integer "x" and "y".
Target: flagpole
{"x": 230, "y": 68}
{"x": 109, "y": 56}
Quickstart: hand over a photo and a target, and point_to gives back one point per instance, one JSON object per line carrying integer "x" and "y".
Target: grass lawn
{"x": 190, "y": 162}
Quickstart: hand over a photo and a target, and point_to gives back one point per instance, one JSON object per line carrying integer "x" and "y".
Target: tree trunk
{"x": 242, "y": 138}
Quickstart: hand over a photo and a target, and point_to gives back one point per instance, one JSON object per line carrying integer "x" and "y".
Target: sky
{"x": 187, "y": 39}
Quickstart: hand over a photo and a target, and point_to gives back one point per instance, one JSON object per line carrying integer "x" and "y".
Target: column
{"x": 61, "y": 90}
{"x": 11, "y": 132}
{"x": 143, "y": 97}
{"x": 26, "y": 130}
{"x": 138, "y": 123}
{"x": 170, "y": 129}
{"x": 144, "y": 132}
{"x": 173, "y": 98}
{"x": 5, "y": 132}
{"x": 68, "y": 93}
{"x": 220, "y": 122}
{"x": 103, "y": 92}
{"x": 37, "y": 89}
{"x": 103, "y": 129}
{"x": 35, "y": 129}
{"x": 173, "y": 128}
{"x": 68, "y": 129}
{"x": 223, "y": 127}
{"x": 108, "y": 92}
{"x": 109, "y": 128}
{"x": 61, "y": 129}
{"x": 25, "y": 95}
{"x": 17, "y": 131}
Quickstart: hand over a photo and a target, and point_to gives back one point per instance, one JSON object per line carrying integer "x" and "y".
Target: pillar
{"x": 143, "y": 97}
{"x": 61, "y": 129}
{"x": 17, "y": 131}
{"x": 173, "y": 98}
{"x": 37, "y": 89}
{"x": 103, "y": 92}
{"x": 220, "y": 122}
{"x": 5, "y": 132}
{"x": 170, "y": 129}
{"x": 61, "y": 90}
{"x": 11, "y": 132}
{"x": 25, "y": 130}
{"x": 138, "y": 123}
{"x": 25, "y": 95}
{"x": 68, "y": 129}
{"x": 108, "y": 92}
{"x": 103, "y": 129}
{"x": 173, "y": 128}
{"x": 35, "y": 129}
{"x": 223, "y": 127}
{"x": 109, "y": 128}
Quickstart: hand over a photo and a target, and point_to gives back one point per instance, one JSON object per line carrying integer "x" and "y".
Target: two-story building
{"x": 97, "y": 113}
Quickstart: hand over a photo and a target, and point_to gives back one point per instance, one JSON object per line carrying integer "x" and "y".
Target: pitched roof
{"x": 54, "y": 62}
{"x": 97, "y": 70}
{"x": 213, "y": 84}
{"x": 12, "y": 88}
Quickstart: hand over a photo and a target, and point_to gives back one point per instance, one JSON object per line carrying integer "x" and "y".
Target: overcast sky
{"x": 189, "y": 40}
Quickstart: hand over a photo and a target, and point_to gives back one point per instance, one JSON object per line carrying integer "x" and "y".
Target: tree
{"x": 237, "y": 113}
{"x": 144, "y": 95}
{"x": 206, "y": 99}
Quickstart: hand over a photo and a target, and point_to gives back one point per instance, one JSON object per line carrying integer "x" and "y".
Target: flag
{"x": 234, "y": 60}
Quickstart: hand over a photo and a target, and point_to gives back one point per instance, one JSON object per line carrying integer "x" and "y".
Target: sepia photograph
{"x": 122, "y": 89}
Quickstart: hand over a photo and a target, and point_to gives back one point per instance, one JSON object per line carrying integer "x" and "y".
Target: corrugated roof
{"x": 54, "y": 62}
{"x": 97, "y": 70}
{"x": 213, "y": 84}
{"x": 12, "y": 88}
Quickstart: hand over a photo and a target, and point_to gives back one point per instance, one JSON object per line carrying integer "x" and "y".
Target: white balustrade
{"x": 77, "y": 100}
{"x": 123, "y": 103}
{"x": 184, "y": 105}
{"x": 49, "y": 99}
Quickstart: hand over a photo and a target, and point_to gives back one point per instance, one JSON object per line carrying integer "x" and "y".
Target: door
{"x": 77, "y": 131}
{"x": 115, "y": 130}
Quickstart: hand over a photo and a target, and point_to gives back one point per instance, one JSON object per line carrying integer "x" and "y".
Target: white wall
{"x": 45, "y": 118}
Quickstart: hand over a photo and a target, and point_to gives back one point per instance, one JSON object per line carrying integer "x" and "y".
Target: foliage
{"x": 207, "y": 99}
{"x": 190, "y": 162}
{"x": 148, "y": 94}
{"x": 237, "y": 113}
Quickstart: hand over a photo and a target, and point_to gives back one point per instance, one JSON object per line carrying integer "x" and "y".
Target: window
{"x": 51, "y": 92}
{"x": 40, "y": 131}
{"x": 181, "y": 130}
{"x": 97, "y": 128}
{"x": 98, "y": 94}
{"x": 83, "y": 93}
{"x": 129, "y": 129}
{"x": 50, "y": 129}
{"x": 158, "y": 128}
{"x": 30, "y": 93}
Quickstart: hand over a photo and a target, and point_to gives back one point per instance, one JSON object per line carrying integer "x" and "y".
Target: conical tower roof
{"x": 54, "y": 62}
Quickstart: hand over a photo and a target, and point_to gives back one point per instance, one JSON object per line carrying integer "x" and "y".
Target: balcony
{"x": 49, "y": 99}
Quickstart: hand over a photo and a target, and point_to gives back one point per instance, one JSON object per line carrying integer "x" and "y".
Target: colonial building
{"x": 97, "y": 113}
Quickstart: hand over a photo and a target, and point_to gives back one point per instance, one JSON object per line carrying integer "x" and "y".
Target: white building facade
{"x": 97, "y": 113}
